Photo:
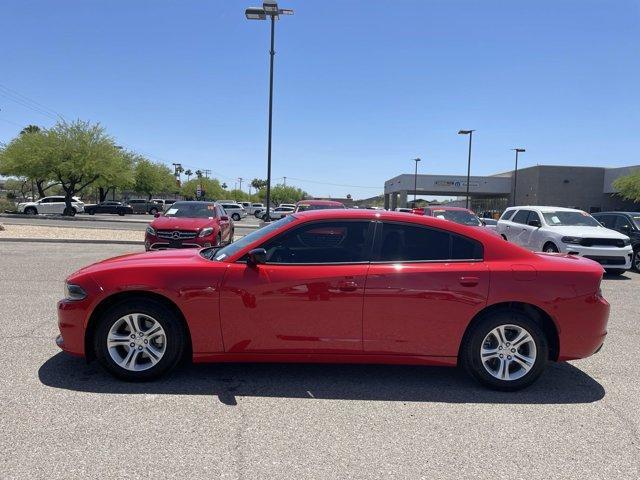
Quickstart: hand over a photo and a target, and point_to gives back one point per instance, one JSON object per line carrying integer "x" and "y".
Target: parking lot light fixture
{"x": 415, "y": 182}
{"x": 269, "y": 9}
{"x": 515, "y": 174}
{"x": 470, "y": 133}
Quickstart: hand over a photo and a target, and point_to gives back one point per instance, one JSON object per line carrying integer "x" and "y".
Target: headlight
{"x": 572, "y": 240}
{"x": 627, "y": 241}
{"x": 206, "y": 232}
{"x": 73, "y": 292}
{"x": 151, "y": 230}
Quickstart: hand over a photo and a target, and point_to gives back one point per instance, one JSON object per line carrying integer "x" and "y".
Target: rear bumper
{"x": 584, "y": 327}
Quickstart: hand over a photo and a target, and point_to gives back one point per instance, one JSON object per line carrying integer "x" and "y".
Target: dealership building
{"x": 587, "y": 188}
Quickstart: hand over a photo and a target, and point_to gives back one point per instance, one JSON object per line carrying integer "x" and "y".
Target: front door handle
{"x": 469, "y": 281}
{"x": 348, "y": 286}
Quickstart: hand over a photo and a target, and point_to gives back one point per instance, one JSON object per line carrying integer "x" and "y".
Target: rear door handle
{"x": 348, "y": 286}
{"x": 469, "y": 281}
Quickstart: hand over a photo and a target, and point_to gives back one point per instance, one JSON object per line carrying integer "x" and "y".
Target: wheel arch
{"x": 122, "y": 297}
{"x": 534, "y": 312}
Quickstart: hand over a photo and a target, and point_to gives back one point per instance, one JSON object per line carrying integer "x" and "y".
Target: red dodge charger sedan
{"x": 340, "y": 286}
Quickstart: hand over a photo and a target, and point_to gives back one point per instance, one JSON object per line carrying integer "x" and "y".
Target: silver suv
{"x": 234, "y": 210}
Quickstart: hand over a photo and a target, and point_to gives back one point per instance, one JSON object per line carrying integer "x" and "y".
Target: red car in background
{"x": 189, "y": 225}
{"x": 341, "y": 286}
{"x": 305, "y": 205}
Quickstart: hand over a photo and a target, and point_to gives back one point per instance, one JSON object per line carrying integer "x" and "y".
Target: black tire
{"x": 31, "y": 211}
{"x": 257, "y": 214}
{"x": 69, "y": 212}
{"x": 153, "y": 211}
{"x": 473, "y": 343}
{"x": 615, "y": 271}
{"x": 121, "y": 213}
{"x": 504, "y": 237}
{"x": 550, "y": 247}
{"x": 175, "y": 339}
{"x": 635, "y": 263}
{"x": 90, "y": 212}
{"x": 236, "y": 217}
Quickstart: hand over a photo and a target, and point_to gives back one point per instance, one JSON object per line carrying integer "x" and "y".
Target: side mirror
{"x": 534, "y": 223}
{"x": 157, "y": 214}
{"x": 224, "y": 218}
{"x": 257, "y": 256}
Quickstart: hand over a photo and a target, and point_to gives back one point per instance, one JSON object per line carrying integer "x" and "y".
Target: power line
{"x": 333, "y": 184}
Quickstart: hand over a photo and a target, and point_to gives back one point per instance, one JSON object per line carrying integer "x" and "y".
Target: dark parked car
{"x": 627, "y": 223}
{"x": 144, "y": 206}
{"x": 109, "y": 207}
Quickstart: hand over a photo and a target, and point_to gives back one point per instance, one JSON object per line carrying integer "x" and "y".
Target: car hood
{"x": 162, "y": 258}
{"x": 181, "y": 223}
{"x": 587, "y": 232}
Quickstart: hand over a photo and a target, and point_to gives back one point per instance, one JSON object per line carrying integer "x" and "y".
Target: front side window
{"x": 414, "y": 243}
{"x": 321, "y": 242}
{"x": 521, "y": 217}
{"x": 507, "y": 215}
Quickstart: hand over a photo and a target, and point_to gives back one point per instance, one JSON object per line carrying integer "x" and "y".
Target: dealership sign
{"x": 454, "y": 183}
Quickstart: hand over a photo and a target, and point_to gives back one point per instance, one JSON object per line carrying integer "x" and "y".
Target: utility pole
{"x": 240, "y": 180}
{"x": 515, "y": 174}
{"x": 206, "y": 173}
{"x": 285, "y": 181}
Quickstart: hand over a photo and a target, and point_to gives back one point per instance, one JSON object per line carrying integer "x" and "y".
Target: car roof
{"x": 615, "y": 213}
{"x": 442, "y": 207}
{"x": 545, "y": 208}
{"x": 319, "y": 202}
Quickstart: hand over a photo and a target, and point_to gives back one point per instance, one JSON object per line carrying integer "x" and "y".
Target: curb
{"x": 72, "y": 240}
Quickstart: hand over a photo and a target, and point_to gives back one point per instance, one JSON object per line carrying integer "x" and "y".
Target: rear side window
{"x": 607, "y": 221}
{"x": 414, "y": 243}
{"x": 521, "y": 216}
{"x": 507, "y": 215}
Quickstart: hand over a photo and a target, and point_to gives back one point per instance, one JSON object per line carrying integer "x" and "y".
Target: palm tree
{"x": 188, "y": 173}
{"x": 30, "y": 129}
{"x": 199, "y": 173}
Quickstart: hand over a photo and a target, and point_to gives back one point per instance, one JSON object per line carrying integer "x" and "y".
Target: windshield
{"x": 192, "y": 210}
{"x": 569, "y": 219}
{"x": 238, "y": 245}
{"x": 459, "y": 216}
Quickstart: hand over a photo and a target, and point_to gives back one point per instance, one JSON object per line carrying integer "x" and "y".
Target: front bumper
{"x": 71, "y": 317}
{"x": 608, "y": 257}
{"x": 155, "y": 243}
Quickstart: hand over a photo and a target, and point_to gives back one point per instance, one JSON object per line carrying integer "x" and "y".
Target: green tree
{"x": 211, "y": 186}
{"x": 75, "y": 155}
{"x": 281, "y": 193}
{"x": 188, "y": 173}
{"x": 152, "y": 178}
{"x": 258, "y": 184}
{"x": 628, "y": 187}
{"x": 17, "y": 187}
{"x": 121, "y": 178}
{"x": 30, "y": 129}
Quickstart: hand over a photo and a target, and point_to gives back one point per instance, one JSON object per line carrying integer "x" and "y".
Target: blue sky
{"x": 361, "y": 88}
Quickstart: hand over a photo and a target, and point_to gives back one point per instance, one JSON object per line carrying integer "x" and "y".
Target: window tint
{"x": 607, "y": 221}
{"x": 507, "y": 215}
{"x": 407, "y": 243}
{"x": 521, "y": 216}
{"x": 534, "y": 216}
{"x": 320, "y": 242}
{"x": 621, "y": 222}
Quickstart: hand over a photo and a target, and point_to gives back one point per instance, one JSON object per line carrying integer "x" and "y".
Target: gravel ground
{"x": 68, "y": 233}
{"x": 64, "y": 419}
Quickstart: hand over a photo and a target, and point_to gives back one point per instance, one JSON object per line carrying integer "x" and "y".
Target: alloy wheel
{"x": 636, "y": 261}
{"x": 136, "y": 342}
{"x": 508, "y": 352}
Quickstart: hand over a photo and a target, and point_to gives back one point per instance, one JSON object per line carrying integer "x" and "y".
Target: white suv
{"x": 51, "y": 205}
{"x": 566, "y": 230}
{"x": 234, "y": 210}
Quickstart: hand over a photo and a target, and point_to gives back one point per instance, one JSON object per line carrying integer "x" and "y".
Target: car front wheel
{"x": 139, "y": 340}
{"x": 636, "y": 261}
{"x": 550, "y": 248}
{"x": 236, "y": 217}
{"x": 506, "y": 350}
{"x": 30, "y": 211}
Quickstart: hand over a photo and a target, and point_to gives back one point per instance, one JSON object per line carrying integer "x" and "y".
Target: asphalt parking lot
{"x": 62, "y": 418}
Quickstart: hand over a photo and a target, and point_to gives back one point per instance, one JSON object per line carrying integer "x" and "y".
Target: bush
{"x": 7, "y": 205}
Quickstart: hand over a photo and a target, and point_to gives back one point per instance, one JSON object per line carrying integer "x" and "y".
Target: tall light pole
{"x": 515, "y": 174}
{"x": 470, "y": 133}
{"x": 415, "y": 182}
{"x": 269, "y": 9}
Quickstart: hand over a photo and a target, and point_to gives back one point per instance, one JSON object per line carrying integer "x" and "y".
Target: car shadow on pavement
{"x": 561, "y": 383}
{"x": 611, "y": 276}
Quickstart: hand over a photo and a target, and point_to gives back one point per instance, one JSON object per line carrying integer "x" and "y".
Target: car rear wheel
{"x": 31, "y": 211}
{"x": 636, "y": 261}
{"x": 139, "y": 340}
{"x": 90, "y": 212}
{"x": 236, "y": 217}
{"x": 505, "y": 350}
{"x": 257, "y": 214}
{"x": 121, "y": 213}
{"x": 69, "y": 212}
{"x": 153, "y": 211}
{"x": 550, "y": 248}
